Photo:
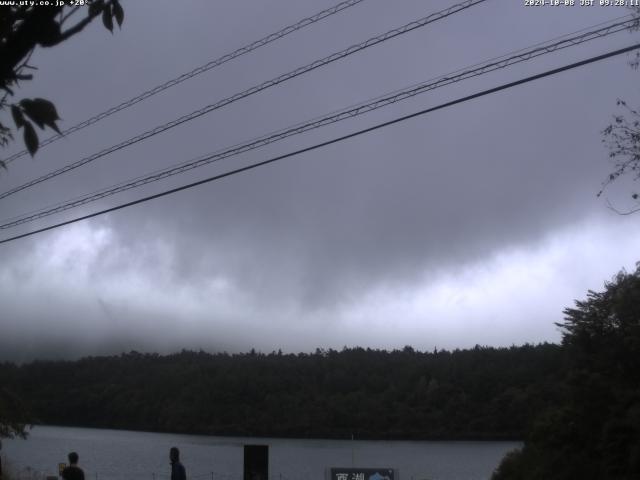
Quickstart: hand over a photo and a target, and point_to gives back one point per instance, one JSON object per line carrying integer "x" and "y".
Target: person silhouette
{"x": 177, "y": 469}
{"x": 73, "y": 471}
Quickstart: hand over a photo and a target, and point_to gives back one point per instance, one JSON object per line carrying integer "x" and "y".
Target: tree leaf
{"x": 107, "y": 19}
{"x": 118, "y": 12}
{"x": 33, "y": 112}
{"x": 41, "y": 111}
{"x": 30, "y": 138}
{"x": 95, "y": 8}
{"x": 18, "y": 118}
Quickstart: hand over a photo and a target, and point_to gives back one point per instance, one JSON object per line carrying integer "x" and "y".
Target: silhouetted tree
{"x": 22, "y": 29}
{"x": 622, "y": 138}
{"x": 595, "y": 433}
{"x": 14, "y": 418}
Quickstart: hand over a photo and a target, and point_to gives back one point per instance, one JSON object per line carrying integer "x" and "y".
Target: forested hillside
{"x": 594, "y": 434}
{"x": 481, "y": 393}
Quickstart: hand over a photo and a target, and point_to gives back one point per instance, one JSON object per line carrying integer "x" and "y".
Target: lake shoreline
{"x": 358, "y": 437}
{"x": 107, "y": 454}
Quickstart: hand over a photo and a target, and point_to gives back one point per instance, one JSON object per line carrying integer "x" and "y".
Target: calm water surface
{"x": 119, "y": 455}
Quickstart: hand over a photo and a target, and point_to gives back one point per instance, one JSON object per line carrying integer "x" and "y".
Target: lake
{"x": 120, "y": 454}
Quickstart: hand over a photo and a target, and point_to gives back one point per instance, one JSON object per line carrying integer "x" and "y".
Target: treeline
{"x": 480, "y": 393}
{"x": 594, "y": 433}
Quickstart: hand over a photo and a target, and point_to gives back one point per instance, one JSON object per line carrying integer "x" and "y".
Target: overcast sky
{"x": 476, "y": 224}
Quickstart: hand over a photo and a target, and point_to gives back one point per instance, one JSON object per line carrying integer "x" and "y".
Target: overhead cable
{"x": 305, "y": 22}
{"x": 460, "y": 75}
{"x": 467, "y": 98}
{"x": 251, "y": 91}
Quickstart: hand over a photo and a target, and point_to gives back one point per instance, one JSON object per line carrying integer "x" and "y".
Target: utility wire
{"x": 460, "y": 75}
{"x": 488, "y": 66}
{"x": 305, "y": 22}
{"x": 270, "y": 83}
{"x": 467, "y": 98}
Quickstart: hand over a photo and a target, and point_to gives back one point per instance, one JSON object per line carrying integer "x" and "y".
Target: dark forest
{"x": 481, "y": 393}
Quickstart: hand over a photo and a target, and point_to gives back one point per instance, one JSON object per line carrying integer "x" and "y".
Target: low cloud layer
{"x": 474, "y": 225}
{"x": 84, "y": 293}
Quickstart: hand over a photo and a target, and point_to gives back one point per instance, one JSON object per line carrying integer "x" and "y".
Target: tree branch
{"x": 66, "y": 17}
{"x": 77, "y": 28}
{"x": 629, "y": 212}
{"x": 36, "y": 26}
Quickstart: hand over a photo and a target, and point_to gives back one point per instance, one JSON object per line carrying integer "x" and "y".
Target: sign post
{"x": 256, "y": 462}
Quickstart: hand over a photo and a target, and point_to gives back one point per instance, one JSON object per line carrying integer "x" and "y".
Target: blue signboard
{"x": 362, "y": 474}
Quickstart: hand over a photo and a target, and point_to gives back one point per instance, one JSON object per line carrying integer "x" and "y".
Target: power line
{"x": 379, "y": 102}
{"x": 270, "y": 83}
{"x": 409, "y": 92}
{"x": 305, "y": 22}
{"x": 467, "y": 98}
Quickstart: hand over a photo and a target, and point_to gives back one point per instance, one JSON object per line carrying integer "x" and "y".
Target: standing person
{"x": 73, "y": 471}
{"x": 177, "y": 469}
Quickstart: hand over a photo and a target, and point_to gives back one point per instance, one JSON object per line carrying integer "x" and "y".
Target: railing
{"x": 25, "y": 472}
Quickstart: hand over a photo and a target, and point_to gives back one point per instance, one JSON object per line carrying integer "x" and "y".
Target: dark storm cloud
{"x": 299, "y": 253}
